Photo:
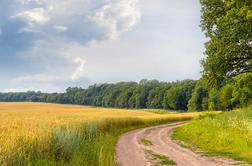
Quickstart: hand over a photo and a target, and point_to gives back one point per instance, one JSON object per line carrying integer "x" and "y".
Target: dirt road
{"x": 153, "y": 146}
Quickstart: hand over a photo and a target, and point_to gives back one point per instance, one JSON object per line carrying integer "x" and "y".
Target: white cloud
{"x": 79, "y": 70}
{"x": 60, "y": 28}
{"x": 34, "y": 18}
{"x": 35, "y": 15}
{"x": 117, "y": 16}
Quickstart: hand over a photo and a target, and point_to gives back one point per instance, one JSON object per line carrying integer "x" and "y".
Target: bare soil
{"x": 131, "y": 150}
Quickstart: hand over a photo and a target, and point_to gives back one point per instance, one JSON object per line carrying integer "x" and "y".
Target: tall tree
{"x": 228, "y": 25}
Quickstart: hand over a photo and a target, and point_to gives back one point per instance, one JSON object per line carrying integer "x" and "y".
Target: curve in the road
{"x": 153, "y": 146}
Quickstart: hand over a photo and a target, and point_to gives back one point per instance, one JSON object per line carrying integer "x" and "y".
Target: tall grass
{"x": 51, "y": 134}
{"x": 228, "y": 134}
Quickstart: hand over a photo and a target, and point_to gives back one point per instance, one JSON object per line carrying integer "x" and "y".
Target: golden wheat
{"x": 26, "y": 126}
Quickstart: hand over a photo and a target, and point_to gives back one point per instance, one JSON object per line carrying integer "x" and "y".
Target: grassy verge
{"x": 228, "y": 134}
{"x": 48, "y": 134}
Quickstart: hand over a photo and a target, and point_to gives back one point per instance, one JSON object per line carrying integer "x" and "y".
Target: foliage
{"x": 243, "y": 89}
{"x": 179, "y": 94}
{"x": 228, "y": 25}
{"x": 225, "y": 97}
{"x": 145, "y": 94}
{"x": 198, "y": 100}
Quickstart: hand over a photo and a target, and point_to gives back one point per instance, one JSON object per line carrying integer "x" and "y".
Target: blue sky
{"x": 49, "y": 45}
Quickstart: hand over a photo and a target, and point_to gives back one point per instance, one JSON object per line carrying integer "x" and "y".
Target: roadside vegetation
{"x": 226, "y": 83}
{"x": 228, "y": 134}
{"x": 54, "y": 134}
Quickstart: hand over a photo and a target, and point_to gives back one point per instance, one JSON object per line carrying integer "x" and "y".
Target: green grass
{"x": 161, "y": 160}
{"x": 228, "y": 134}
{"x": 146, "y": 142}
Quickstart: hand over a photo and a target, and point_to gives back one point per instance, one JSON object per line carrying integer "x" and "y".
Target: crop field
{"x": 54, "y": 134}
{"x": 228, "y": 134}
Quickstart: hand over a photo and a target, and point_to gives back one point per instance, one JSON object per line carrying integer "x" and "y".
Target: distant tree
{"x": 179, "y": 94}
{"x": 225, "y": 97}
{"x": 199, "y": 96}
{"x": 156, "y": 95}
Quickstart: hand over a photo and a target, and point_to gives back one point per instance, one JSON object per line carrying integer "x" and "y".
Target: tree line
{"x": 181, "y": 95}
{"x": 145, "y": 94}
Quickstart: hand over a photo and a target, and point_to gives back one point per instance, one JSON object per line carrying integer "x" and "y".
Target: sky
{"x": 49, "y": 45}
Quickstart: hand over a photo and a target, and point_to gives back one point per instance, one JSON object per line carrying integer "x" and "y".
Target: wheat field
{"x": 54, "y": 134}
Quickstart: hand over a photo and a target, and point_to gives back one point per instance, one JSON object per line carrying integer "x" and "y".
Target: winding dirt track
{"x": 131, "y": 150}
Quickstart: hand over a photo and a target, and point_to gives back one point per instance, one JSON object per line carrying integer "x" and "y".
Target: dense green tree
{"x": 213, "y": 102}
{"x": 243, "y": 89}
{"x": 225, "y": 97}
{"x": 204, "y": 104}
{"x": 228, "y": 25}
{"x": 198, "y": 99}
{"x": 179, "y": 94}
{"x": 139, "y": 95}
{"x": 156, "y": 95}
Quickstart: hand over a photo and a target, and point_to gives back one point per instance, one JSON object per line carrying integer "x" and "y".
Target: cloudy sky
{"x": 49, "y": 45}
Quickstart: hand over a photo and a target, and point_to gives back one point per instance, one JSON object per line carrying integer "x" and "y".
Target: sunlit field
{"x": 53, "y": 134}
{"x": 228, "y": 134}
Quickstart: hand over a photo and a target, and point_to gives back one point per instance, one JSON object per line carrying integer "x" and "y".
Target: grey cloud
{"x": 85, "y": 41}
{"x": 35, "y": 34}
{"x": 84, "y": 20}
